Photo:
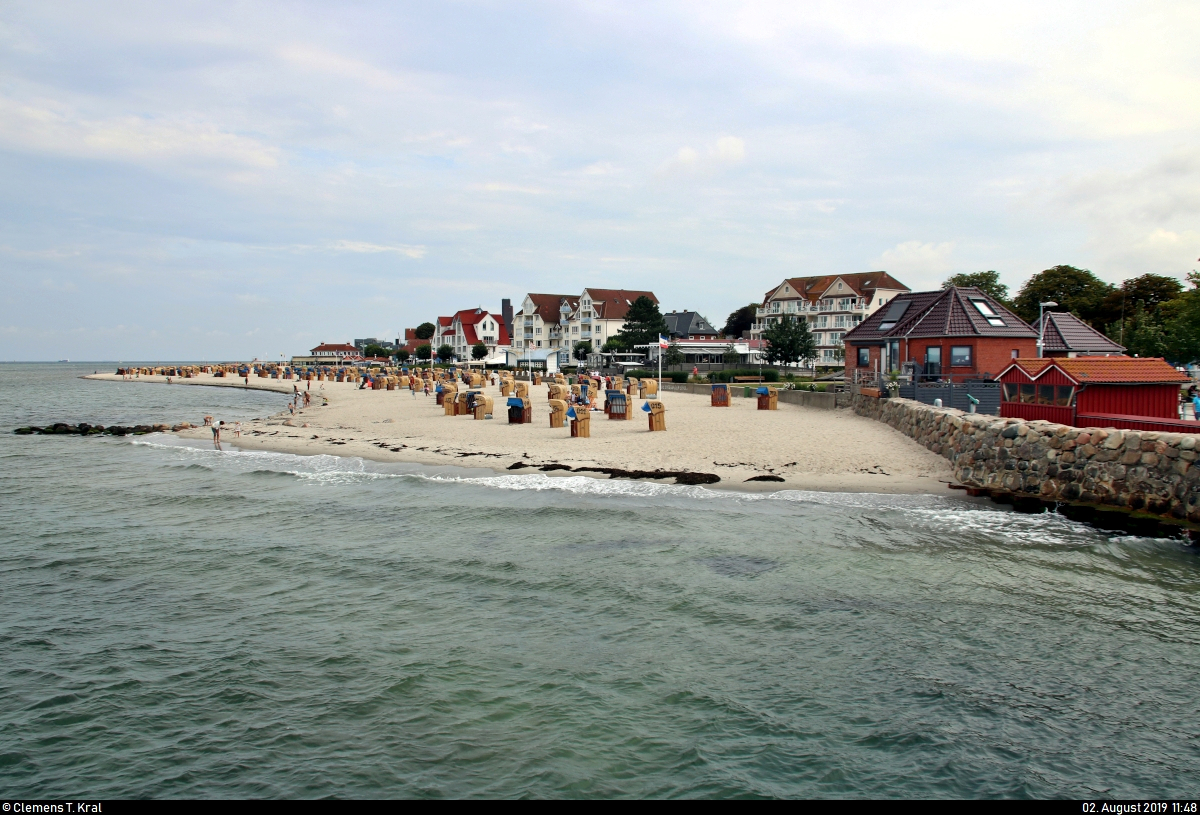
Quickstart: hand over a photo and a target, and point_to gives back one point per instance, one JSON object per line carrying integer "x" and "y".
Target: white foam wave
{"x": 949, "y": 516}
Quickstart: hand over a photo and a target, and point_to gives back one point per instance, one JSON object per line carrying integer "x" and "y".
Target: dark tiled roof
{"x": 683, "y": 323}
{"x": 1064, "y": 331}
{"x": 945, "y": 313}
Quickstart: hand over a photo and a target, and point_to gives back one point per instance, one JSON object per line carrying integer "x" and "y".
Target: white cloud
{"x": 496, "y": 186}
{"x": 1141, "y": 221}
{"x": 726, "y": 150}
{"x": 730, "y": 148}
{"x": 360, "y": 247}
{"x": 51, "y": 127}
{"x": 921, "y": 262}
{"x": 317, "y": 60}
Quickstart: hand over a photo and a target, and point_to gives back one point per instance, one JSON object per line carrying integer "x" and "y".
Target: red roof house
{"x": 1134, "y": 393}
{"x": 335, "y": 350}
{"x": 953, "y": 334}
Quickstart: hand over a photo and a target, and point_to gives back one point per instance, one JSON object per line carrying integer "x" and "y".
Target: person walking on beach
{"x": 216, "y": 429}
{"x": 237, "y": 429}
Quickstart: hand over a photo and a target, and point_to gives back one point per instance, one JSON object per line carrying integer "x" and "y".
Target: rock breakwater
{"x": 1149, "y": 473}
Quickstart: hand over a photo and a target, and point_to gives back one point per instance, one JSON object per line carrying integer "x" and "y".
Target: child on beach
{"x": 237, "y": 429}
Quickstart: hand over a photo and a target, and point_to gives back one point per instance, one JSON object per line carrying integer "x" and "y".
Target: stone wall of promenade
{"x": 1148, "y": 472}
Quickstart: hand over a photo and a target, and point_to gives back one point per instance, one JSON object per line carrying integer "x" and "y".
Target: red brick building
{"x": 955, "y": 334}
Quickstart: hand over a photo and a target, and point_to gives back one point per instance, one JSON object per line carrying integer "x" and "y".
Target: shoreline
{"x": 809, "y": 449}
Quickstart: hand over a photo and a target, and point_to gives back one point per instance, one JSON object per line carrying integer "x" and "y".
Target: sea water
{"x": 180, "y": 621}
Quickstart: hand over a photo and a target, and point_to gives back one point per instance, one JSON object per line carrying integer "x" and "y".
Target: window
{"x": 992, "y": 318}
{"x": 1045, "y": 395}
{"x": 1028, "y": 394}
{"x": 539, "y": 343}
{"x": 1010, "y": 391}
{"x": 960, "y": 356}
{"x": 574, "y": 329}
{"x": 818, "y": 339}
{"x": 1066, "y": 396}
{"x": 864, "y": 357}
{"x": 933, "y": 354}
{"x": 1016, "y": 353}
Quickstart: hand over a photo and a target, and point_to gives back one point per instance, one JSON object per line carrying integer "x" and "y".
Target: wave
{"x": 952, "y": 517}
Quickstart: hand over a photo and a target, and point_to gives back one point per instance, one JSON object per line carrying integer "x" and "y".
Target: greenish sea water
{"x": 181, "y": 622}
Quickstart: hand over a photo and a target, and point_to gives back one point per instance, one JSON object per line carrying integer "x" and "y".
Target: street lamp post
{"x": 1042, "y": 322}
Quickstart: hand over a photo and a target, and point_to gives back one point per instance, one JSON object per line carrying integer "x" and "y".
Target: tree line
{"x": 1151, "y": 315}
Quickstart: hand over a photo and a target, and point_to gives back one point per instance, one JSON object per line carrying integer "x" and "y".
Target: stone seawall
{"x": 1145, "y": 472}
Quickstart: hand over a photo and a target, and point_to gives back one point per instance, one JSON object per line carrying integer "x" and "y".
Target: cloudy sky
{"x": 207, "y": 180}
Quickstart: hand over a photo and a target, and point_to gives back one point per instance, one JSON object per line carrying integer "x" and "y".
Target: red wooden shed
{"x": 1124, "y": 392}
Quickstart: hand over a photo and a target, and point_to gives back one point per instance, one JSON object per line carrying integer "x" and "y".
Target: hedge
{"x": 768, "y": 374}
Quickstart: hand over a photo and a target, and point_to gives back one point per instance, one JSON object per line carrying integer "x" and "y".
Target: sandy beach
{"x": 809, "y": 448}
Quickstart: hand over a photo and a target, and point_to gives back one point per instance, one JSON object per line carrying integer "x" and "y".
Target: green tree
{"x": 581, "y": 350}
{"x": 425, "y": 331}
{"x": 730, "y": 356}
{"x": 1182, "y": 324}
{"x": 1150, "y": 291}
{"x": 987, "y": 282}
{"x": 789, "y": 341}
{"x": 1075, "y": 290}
{"x": 424, "y": 351}
{"x": 611, "y": 345}
{"x": 445, "y": 353}
{"x": 376, "y": 351}
{"x": 402, "y": 354}
{"x": 479, "y": 351}
{"x": 672, "y": 356}
{"x": 643, "y": 324}
{"x": 1145, "y": 336}
{"x": 740, "y": 321}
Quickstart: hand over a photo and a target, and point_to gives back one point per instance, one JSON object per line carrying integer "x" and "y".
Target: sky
{"x": 208, "y": 180}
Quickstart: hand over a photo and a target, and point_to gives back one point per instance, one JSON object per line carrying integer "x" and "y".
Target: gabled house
{"x": 558, "y": 321}
{"x": 1123, "y": 392}
{"x": 688, "y": 325}
{"x": 1065, "y": 335}
{"x": 953, "y": 334}
{"x": 471, "y": 326}
{"x": 599, "y": 315}
{"x": 831, "y": 304}
{"x": 539, "y": 323}
{"x": 334, "y": 352}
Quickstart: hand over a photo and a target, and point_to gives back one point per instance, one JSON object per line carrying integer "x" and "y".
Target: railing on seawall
{"x": 1126, "y": 422}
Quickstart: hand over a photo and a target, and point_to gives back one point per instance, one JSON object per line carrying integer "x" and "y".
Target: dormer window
{"x": 993, "y": 319}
